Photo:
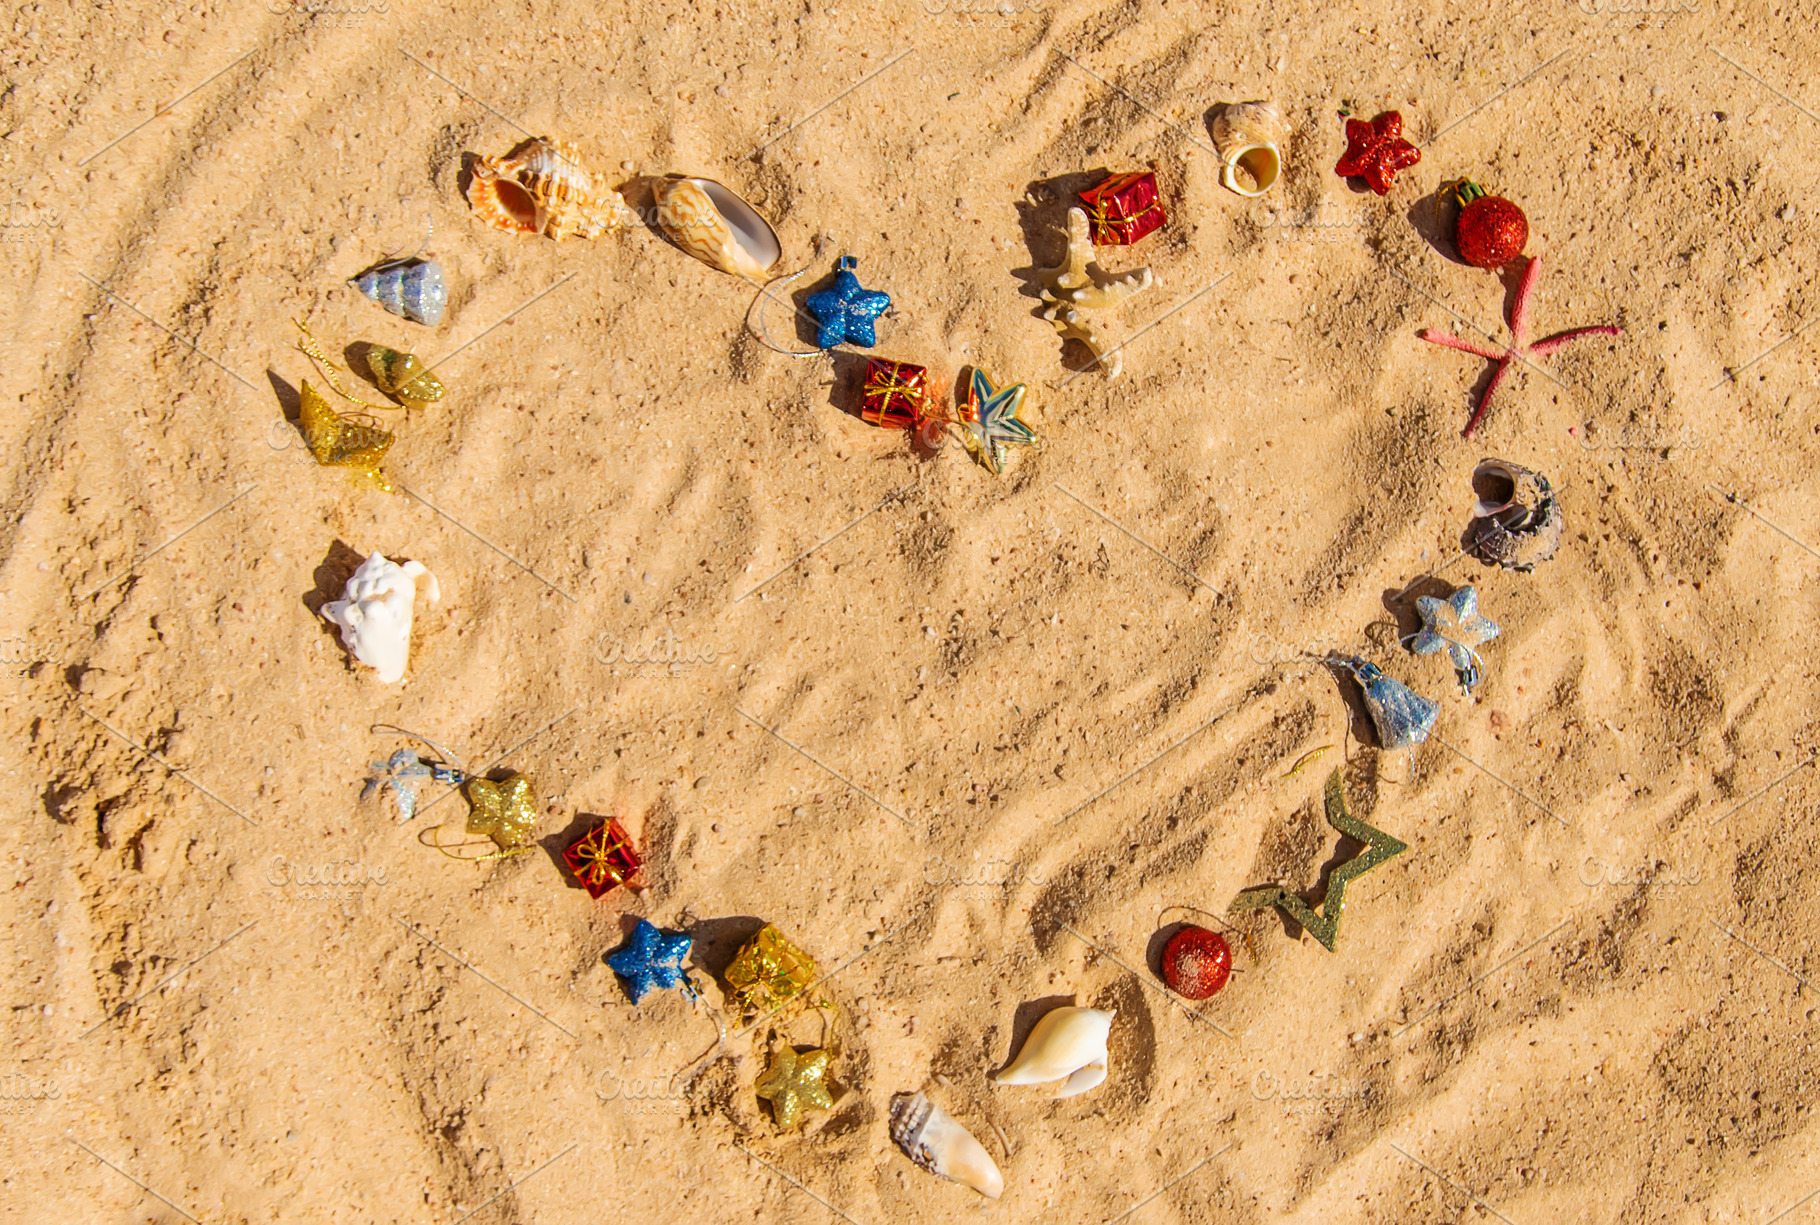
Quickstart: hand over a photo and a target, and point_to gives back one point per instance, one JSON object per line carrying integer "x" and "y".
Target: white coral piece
{"x": 374, "y": 613}
{"x": 1079, "y": 284}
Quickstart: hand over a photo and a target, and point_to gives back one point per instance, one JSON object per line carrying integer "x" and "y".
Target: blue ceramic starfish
{"x": 992, "y": 417}
{"x": 1455, "y": 626}
{"x": 652, "y": 959}
{"x": 847, "y": 312}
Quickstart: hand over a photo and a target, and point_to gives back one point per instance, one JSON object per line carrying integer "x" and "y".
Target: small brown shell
{"x": 1516, "y": 522}
{"x": 542, "y": 187}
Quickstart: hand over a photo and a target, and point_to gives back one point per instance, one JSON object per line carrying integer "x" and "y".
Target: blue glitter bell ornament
{"x": 1402, "y": 716}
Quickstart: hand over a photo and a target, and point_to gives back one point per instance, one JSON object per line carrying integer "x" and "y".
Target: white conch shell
{"x": 1068, "y": 1042}
{"x": 374, "y": 613}
{"x": 1246, "y": 134}
{"x": 932, "y": 1138}
{"x": 714, "y": 225}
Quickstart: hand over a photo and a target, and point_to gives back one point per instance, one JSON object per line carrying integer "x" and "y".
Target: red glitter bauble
{"x": 1490, "y": 232}
{"x": 1196, "y": 962}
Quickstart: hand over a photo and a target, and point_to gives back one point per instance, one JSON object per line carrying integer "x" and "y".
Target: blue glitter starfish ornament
{"x": 1456, "y": 626}
{"x": 991, "y": 418}
{"x": 652, "y": 959}
{"x": 847, "y": 312}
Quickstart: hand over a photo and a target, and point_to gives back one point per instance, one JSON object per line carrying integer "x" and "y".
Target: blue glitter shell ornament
{"x": 652, "y": 959}
{"x": 1403, "y": 717}
{"x": 412, "y": 288}
{"x": 846, "y": 312}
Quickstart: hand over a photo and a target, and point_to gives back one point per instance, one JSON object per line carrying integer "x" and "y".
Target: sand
{"x": 972, "y": 742}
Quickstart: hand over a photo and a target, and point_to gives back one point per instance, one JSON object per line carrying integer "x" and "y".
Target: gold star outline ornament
{"x": 795, "y": 1083}
{"x": 1325, "y": 926}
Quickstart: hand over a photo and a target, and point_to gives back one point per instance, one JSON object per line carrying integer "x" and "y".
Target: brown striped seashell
{"x": 710, "y": 222}
{"x": 542, "y": 187}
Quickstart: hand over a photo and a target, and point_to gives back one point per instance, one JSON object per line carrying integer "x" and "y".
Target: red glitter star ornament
{"x": 1519, "y": 349}
{"x": 1375, "y": 151}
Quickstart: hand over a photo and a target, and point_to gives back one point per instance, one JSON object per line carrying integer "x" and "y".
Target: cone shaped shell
{"x": 402, "y": 375}
{"x": 1246, "y": 135}
{"x": 542, "y": 187}
{"x": 718, "y": 228}
{"x": 414, "y": 290}
{"x": 932, "y": 1138}
{"x": 1068, "y": 1042}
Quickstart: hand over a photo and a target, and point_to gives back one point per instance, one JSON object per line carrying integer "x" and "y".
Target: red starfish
{"x": 1375, "y": 151}
{"x": 1519, "y": 332}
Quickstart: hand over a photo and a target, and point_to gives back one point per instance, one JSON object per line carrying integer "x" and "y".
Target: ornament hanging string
{"x": 313, "y": 351}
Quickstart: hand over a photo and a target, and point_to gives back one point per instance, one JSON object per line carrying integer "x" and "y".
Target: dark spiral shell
{"x": 1517, "y": 521}
{"x": 413, "y": 289}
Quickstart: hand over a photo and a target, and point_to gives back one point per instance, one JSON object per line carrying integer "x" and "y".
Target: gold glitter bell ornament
{"x": 769, "y": 972}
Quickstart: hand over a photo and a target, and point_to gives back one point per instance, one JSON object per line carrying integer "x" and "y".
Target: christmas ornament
{"x": 375, "y": 612}
{"x": 1196, "y": 962}
{"x": 353, "y": 441}
{"x": 412, "y": 288}
{"x": 1375, "y": 151}
{"x": 931, "y": 1137}
{"x": 505, "y": 811}
{"x": 313, "y": 350}
{"x": 400, "y": 775}
{"x": 1489, "y": 231}
{"x": 769, "y": 971}
{"x": 1245, "y": 134}
{"x": 403, "y": 377}
{"x": 1325, "y": 926}
{"x": 895, "y": 395}
{"x": 1123, "y": 208}
{"x": 1078, "y": 285}
{"x": 1456, "y": 626}
{"x": 795, "y": 1083}
{"x": 652, "y": 959}
{"x": 711, "y": 222}
{"x": 991, "y": 419}
{"x": 1068, "y": 1042}
{"x": 1402, "y": 716}
{"x": 603, "y": 859}
{"x": 1519, "y": 349}
{"x": 542, "y": 187}
{"x": 846, "y": 312}
{"x": 1516, "y": 521}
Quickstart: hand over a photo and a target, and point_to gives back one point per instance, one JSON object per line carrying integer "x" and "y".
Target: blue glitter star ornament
{"x": 1456, "y": 626}
{"x": 847, "y": 312}
{"x": 991, "y": 418}
{"x": 652, "y": 959}
{"x": 400, "y": 775}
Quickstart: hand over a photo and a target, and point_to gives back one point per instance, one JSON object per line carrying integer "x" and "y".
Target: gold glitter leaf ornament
{"x": 353, "y": 441}
{"x": 504, "y": 812}
{"x": 402, "y": 376}
{"x": 769, "y": 972}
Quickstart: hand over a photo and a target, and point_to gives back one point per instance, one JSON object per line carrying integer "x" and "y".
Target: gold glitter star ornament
{"x": 505, "y": 811}
{"x": 795, "y": 1083}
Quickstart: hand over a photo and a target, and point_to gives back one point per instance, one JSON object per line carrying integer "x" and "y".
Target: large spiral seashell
{"x": 542, "y": 187}
{"x": 1516, "y": 521}
{"x": 1067, "y": 1042}
{"x": 710, "y": 222}
{"x": 413, "y": 288}
{"x": 932, "y": 1138}
{"x": 375, "y": 609}
{"x": 1245, "y": 134}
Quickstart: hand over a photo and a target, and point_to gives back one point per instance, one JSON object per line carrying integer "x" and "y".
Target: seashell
{"x": 1068, "y": 1042}
{"x": 718, "y": 228}
{"x": 542, "y": 187}
{"x": 402, "y": 376}
{"x": 374, "y": 613}
{"x": 352, "y": 441}
{"x": 932, "y": 1138}
{"x": 412, "y": 288}
{"x": 1245, "y": 134}
{"x": 1516, "y": 522}
{"x": 1073, "y": 325}
{"x": 1402, "y": 716}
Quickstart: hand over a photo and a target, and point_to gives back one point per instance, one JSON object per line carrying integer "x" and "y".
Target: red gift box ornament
{"x": 1123, "y": 209}
{"x": 895, "y": 395}
{"x": 603, "y": 859}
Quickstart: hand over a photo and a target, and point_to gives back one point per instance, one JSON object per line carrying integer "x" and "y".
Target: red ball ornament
{"x": 1490, "y": 231}
{"x": 1196, "y": 962}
